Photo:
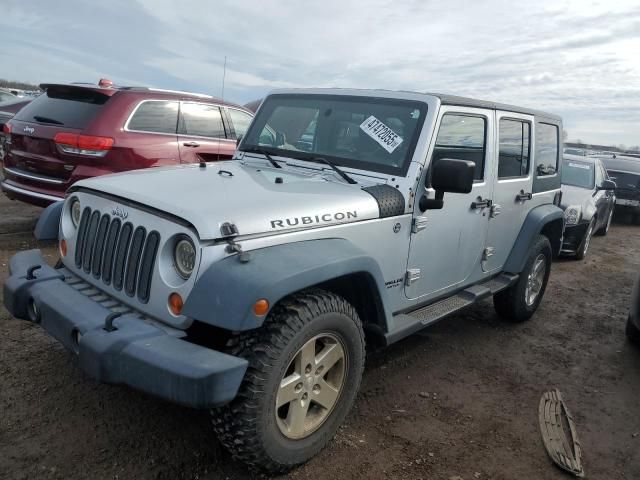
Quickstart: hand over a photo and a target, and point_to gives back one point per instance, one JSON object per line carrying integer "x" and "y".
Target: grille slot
{"x": 121, "y": 255}
{"x": 134, "y": 261}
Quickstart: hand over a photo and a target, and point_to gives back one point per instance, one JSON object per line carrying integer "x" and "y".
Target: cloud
{"x": 574, "y": 58}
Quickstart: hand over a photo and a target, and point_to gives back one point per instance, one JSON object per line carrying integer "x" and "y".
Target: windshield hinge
{"x": 412, "y": 275}
{"x": 419, "y": 224}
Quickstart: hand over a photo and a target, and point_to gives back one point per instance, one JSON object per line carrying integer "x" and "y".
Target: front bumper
{"x": 573, "y": 235}
{"x": 136, "y": 353}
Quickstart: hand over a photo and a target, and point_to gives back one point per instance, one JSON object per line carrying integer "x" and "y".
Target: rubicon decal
{"x": 314, "y": 219}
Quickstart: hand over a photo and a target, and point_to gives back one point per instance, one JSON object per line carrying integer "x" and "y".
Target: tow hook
{"x": 108, "y": 322}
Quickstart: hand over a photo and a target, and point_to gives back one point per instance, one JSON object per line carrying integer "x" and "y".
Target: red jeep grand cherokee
{"x": 76, "y": 131}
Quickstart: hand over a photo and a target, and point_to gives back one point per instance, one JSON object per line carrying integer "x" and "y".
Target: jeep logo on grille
{"x": 120, "y": 212}
{"x": 29, "y": 130}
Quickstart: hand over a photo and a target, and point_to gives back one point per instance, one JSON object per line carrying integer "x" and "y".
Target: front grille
{"x": 119, "y": 254}
{"x": 628, "y": 184}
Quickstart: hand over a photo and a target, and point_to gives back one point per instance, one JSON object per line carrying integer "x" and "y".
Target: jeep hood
{"x": 254, "y": 199}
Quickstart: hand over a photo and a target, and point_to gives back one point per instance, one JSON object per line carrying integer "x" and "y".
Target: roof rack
{"x": 164, "y": 90}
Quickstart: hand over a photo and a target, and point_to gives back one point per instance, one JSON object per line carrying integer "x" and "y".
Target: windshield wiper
{"x": 41, "y": 119}
{"x": 335, "y": 168}
{"x": 265, "y": 153}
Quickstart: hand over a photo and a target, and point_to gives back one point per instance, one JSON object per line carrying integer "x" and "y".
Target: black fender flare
{"x": 48, "y": 222}
{"x": 225, "y": 293}
{"x": 547, "y": 219}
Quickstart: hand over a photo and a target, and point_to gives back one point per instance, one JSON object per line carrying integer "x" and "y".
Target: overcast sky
{"x": 580, "y": 59}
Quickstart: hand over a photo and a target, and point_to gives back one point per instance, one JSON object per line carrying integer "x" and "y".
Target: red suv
{"x": 76, "y": 131}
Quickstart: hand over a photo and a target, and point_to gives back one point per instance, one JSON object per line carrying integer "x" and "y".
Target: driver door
{"x": 447, "y": 245}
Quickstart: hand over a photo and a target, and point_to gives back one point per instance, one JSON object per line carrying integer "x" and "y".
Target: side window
{"x": 546, "y": 149}
{"x": 155, "y": 116}
{"x": 513, "y": 160}
{"x": 202, "y": 120}
{"x": 462, "y": 137}
{"x": 241, "y": 121}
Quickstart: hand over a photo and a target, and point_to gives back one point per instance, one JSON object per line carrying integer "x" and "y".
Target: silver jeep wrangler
{"x": 250, "y": 286}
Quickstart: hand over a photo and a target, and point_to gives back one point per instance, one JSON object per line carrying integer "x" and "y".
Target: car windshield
{"x": 578, "y": 174}
{"x": 367, "y": 133}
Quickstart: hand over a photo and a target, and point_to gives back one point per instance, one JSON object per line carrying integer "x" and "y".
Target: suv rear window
{"x": 64, "y": 106}
{"x": 157, "y": 116}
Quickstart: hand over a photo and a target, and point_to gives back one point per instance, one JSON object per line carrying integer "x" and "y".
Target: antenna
{"x": 224, "y": 74}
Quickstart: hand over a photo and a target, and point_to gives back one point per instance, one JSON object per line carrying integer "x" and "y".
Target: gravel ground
{"x": 458, "y": 400}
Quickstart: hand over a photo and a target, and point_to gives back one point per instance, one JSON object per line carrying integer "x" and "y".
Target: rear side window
{"x": 546, "y": 149}
{"x": 514, "y": 148}
{"x": 462, "y": 137}
{"x": 157, "y": 116}
{"x": 201, "y": 120}
{"x": 241, "y": 121}
{"x": 67, "y": 107}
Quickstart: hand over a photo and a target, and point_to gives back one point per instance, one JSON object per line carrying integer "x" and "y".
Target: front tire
{"x": 583, "y": 248}
{"x": 520, "y": 301}
{"x": 305, "y": 368}
{"x": 605, "y": 229}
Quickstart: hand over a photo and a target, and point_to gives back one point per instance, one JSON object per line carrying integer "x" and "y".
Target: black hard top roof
{"x": 472, "y": 102}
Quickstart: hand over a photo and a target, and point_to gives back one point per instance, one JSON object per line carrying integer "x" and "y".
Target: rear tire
{"x": 633, "y": 333}
{"x": 276, "y": 422}
{"x": 520, "y": 301}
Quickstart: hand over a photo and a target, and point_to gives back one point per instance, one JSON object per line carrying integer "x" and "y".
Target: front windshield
{"x": 578, "y": 174}
{"x": 377, "y": 134}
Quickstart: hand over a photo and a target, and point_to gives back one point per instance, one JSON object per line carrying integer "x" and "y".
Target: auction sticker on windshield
{"x": 384, "y": 135}
{"x": 580, "y": 165}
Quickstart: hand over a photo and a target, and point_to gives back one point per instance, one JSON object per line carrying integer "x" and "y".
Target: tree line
{"x": 19, "y": 85}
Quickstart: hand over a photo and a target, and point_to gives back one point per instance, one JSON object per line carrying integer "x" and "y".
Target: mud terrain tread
{"x": 509, "y": 303}
{"x": 235, "y": 424}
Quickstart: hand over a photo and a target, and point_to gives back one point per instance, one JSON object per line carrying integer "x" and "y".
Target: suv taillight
{"x": 89, "y": 145}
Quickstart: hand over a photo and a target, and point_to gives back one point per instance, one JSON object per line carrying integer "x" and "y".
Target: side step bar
{"x": 411, "y": 322}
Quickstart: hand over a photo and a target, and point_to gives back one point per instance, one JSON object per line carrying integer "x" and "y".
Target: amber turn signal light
{"x": 175, "y": 303}
{"x": 261, "y": 307}
{"x": 63, "y": 247}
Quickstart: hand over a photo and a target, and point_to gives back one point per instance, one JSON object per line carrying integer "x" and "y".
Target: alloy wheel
{"x": 535, "y": 280}
{"x": 311, "y": 386}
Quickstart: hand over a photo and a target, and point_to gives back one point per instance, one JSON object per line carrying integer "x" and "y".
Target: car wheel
{"x": 305, "y": 367}
{"x": 520, "y": 301}
{"x": 605, "y": 229}
{"x": 633, "y": 332}
{"x": 583, "y": 248}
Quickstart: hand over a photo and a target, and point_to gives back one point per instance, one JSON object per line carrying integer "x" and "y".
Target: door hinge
{"x": 412, "y": 275}
{"x": 496, "y": 209}
{"x": 419, "y": 224}
{"x": 488, "y": 253}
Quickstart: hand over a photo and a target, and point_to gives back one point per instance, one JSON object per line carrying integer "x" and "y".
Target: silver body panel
{"x": 449, "y": 248}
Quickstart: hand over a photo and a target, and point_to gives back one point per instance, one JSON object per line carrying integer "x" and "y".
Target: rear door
{"x": 34, "y": 156}
{"x": 512, "y": 192}
{"x": 202, "y": 134}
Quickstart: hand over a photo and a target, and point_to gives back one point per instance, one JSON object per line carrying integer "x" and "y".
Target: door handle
{"x": 481, "y": 203}
{"x": 191, "y": 144}
{"x": 522, "y": 196}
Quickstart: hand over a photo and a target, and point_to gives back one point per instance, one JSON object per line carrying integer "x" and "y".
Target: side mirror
{"x": 607, "y": 185}
{"x": 448, "y": 175}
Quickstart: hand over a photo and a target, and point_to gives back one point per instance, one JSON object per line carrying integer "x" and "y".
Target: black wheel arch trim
{"x": 225, "y": 293}
{"x": 547, "y": 220}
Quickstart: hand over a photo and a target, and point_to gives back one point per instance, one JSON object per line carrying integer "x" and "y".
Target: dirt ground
{"x": 458, "y": 400}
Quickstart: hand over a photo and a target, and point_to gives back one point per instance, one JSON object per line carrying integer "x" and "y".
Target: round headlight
{"x": 185, "y": 257}
{"x": 76, "y": 212}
